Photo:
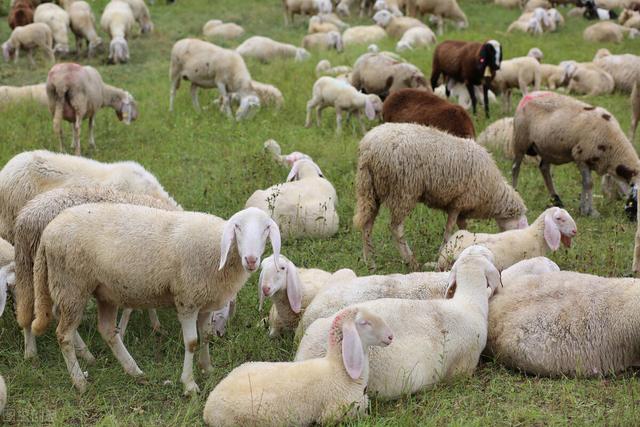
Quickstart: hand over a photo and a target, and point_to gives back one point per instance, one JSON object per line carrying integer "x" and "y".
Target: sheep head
{"x": 118, "y": 50}
{"x": 126, "y": 108}
{"x": 61, "y": 49}
{"x": 283, "y": 277}
{"x": 304, "y": 168}
{"x": 490, "y": 56}
{"x": 249, "y": 105}
{"x": 323, "y": 6}
{"x": 146, "y": 27}
{"x": 343, "y": 9}
{"x": 8, "y": 51}
{"x": 336, "y": 40}
{"x": 95, "y": 46}
{"x": 403, "y": 45}
{"x": 382, "y": 18}
{"x": 302, "y": 54}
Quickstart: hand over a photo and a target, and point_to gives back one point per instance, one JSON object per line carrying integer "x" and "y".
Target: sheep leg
{"x": 472, "y": 95}
{"x": 76, "y": 134}
{"x": 30, "y": 55}
{"x": 124, "y": 321}
{"x": 319, "y": 109}
{"x": 175, "y": 84}
{"x": 485, "y": 92}
{"x": 65, "y": 332}
{"x": 107, "y": 316}
{"x": 50, "y": 54}
{"x": 194, "y": 97}
{"x": 338, "y": 121}
{"x": 440, "y": 25}
{"x": 367, "y": 241}
{"x": 17, "y": 54}
{"x": 313, "y": 102}
{"x": 154, "y": 320}
{"x": 461, "y": 222}
{"x": 515, "y": 169}
{"x": 398, "y": 216}
{"x": 188, "y": 321}
{"x": 586, "y": 198}
{"x": 82, "y": 350}
{"x": 30, "y": 348}
{"x": 632, "y": 129}
{"x": 92, "y": 140}
{"x": 204, "y": 358}
{"x": 545, "y": 170}
{"x": 359, "y": 117}
{"x": 452, "y": 219}
{"x": 226, "y": 100}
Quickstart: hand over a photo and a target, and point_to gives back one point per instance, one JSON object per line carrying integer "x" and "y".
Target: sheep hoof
{"x": 191, "y": 389}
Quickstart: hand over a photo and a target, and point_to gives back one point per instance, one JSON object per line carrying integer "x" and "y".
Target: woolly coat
{"x": 363, "y": 34}
{"x": 382, "y": 74}
{"x": 625, "y": 69}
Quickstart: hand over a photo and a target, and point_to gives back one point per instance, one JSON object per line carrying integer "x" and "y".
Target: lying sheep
{"x": 425, "y": 108}
{"x": 58, "y": 21}
{"x": 624, "y": 69}
{"x": 608, "y": 32}
{"x": 324, "y": 68}
{"x": 537, "y": 265}
{"x": 37, "y": 93}
{"x": 589, "y": 79}
{"x": 434, "y": 339}
{"x": 460, "y": 93}
{"x": 556, "y": 76}
{"x": 29, "y": 37}
{"x": 532, "y": 5}
{"x": 331, "y": 92}
{"x": 553, "y": 226}
{"x": 440, "y": 170}
{"x": 266, "y": 50}
{"x": 323, "y": 41}
{"x": 364, "y": 34}
{"x": 518, "y": 73}
{"x": 396, "y": 26}
{"x": 225, "y": 30}
{"x": 303, "y": 206}
{"x": 440, "y": 9}
{"x": 382, "y": 74}
{"x": 141, "y": 15}
{"x": 273, "y": 148}
{"x": 630, "y": 19}
{"x": 510, "y": 4}
{"x": 304, "y": 7}
{"x": 531, "y": 25}
{"x": 83, "y": 26}
{"x": 323, "y": 390}
{"x": 560, "y": 130}
{"x": 194, "y": 270}
{"x": 117, "y": 20}
{"x": 416, "y": 37}
{"x": 76, "y": 93}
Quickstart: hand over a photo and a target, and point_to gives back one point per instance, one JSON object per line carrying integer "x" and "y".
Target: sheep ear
{"x": 352, "y": 352}
{"x": 369, "y": 111}
{"x": 551, "y": 231}
{"x": 293, "y": 173}
{"x": 451, "y": 289}
{"x": 294, "y": 289}
{"x": 493, "y": 278}
{"x": 260, "y": 293}
{"x": 228, "y": 234}
{"x": 274, "y": 236}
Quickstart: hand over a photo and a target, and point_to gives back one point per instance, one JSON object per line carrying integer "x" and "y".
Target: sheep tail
{"x": 367, "y": 203}
{"x": 43, "y": 304}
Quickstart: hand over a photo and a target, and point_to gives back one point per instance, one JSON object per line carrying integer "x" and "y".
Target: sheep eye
{"x": 237, "y": 227}
{"x": 281, "y": 268}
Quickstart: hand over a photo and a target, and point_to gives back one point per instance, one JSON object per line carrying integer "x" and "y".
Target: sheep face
{"x": 491, "y": 56}
{"x": 536, "y": 53}
{"x": 558, "y": 227}
{"x": 336, "y": 41}
{"x": 382, "y": 18}
{"x": 380, "y": 5}
{"x": 376, "y": 106}
{"x": 249, "y": 105}
{"x": 8, "y": 51}
{"x": 303, "y": 168}
{"x": 284, "y": 276}
{"x": 118, "y": 50}
{"x": 302, "y": 54}
{"x": 403, "y": 45}
{"x": 61, "y": 49}
{"x": 127, "y": 109}
{"x": 372, "y": 329}
{"x": 323, "y": 6}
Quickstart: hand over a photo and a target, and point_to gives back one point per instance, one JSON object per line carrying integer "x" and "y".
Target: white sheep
{"x": 58, "y": 20}
{"x": 117, "y": 20}
{"x": 83, "y": 26}
{"x": 393, "y": 6}
{"x": 545, "y": 234}
{"x": 195, "y": 269}
{"x": 323, "y": 41}
{"x": 518, "y": 73}
{"x": 608, "y": 32}
{"x": 217, "y": 28}
{"x": 589, "y": 79}
{"x": 304, "y": 7}
{"x": 141, "y": 15}
{"x": 331, "y": 92}
{"x": 303, "y": 206}
{"x": 396, "y": 26}
{"x": 272, "y": 146}
{"x": 29, "y": 37}
{"x": 266, "y": 50}
{"x": 460, "y": 93}
{"x": 363, "y": 34}
{"x": 498, "y": 138}
{"x": 624, "y": 69}
{"x": 323, "y": 390}
{"x": 434, "y": 339}
{"x": 36, "y": 93}
{"x": 416, "y": 37}
{"x": 556, "y": 76}
{"x": 530, "y": 25}
{"x": 440, "y": 10}
{"x": 537, "y": 265}
{"x": 326, "y": 22}
{"x": 76, "y": 93}
{"x": 324, "y": 68}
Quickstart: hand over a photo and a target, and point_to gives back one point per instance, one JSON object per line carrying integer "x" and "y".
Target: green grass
{"x": 211, "y": 164}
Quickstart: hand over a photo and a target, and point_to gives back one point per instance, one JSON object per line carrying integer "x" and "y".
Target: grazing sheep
{"x": 426, "y": 165}
{"x": 117, "y": 20}
{"x": 635, "y": 110}
{"x": 556, "y": 76}
{"x": 141, "y": 15}
{"x": 318, "y": 25}
{"x": 416, "y": 37}
{"x": 196, "y": 269}
{"x": 303, "y": 206}
{"x": 393, "y": 6}
{"x": 21, "y": 14}
{"x": 425, "y": 108}
{"x": 364, "y": 34}
{"x": 608, "y": 32}
{"x": 552, "y": 226}
{"x": 470, "y": 63}
{"x": 589, "y": 79}
{"x": 76, "y": 93}
{"x": 323, "y": 41}
{"x": 266, "y": 50}
{"x": 37, "y": 93}
{"x": 630, "y": 19}
{"x": 28, "y": 37}
{"x": 518, "y": 73}
{"x": 324, "y": 390}
{"x": 271, "y": 146}
{"x": 324, "y": 68}
{"x": 560, "y": 130}
{"x": 531, "y": 25}
{"x": 58, "y": 21}
{"x": 344, "y": 7}
{"x": 396, "y": 26}
{"x": 625, "y": 69}
{"x": 383, "y": 74}
{"x": 304, "y": 7}
{"x": 434, "y": 339}
{"x": 440, "y": 9}
{"x": 83, "y": 26}
{"x": 206, "y": 65}
{"x": 217, "y": 28}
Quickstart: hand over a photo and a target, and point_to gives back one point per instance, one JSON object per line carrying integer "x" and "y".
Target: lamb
{"x": 573, "y": 131}
{"x": 141, "y": 15}
{"x": 29, "y": 37}
{"x": 382, "y": 74}
{"x": 443, "y": 171}
{"x": 518, "y": 73}
{"x": 470, "y": 63}
{"x": 117, "y": 20}
{"x": 292, "y": 290}
{"x": 76, "y": 93}
{"x": 58, "y": 21}
{"x": 267, "y": 50}
{"x": 33, "y": 172}
{"x": 434, "y": 339}
{"x": 217, "y": 28}
{"x": 425, "y": 108}
{"x": 183, "y": 268}
{"x": 271, "y": 146}
{"x": 440, "y": 9}
{"x": 591, "y": 80}
{"x": 36, "y": 93}
{"x": 303, "y": 206}
{"x": 608, "y": 32}
{"x": 83, "y": 26}
{"x": 324, "y": 390}
{"x": 553, "y": 226}
{"x": 323, "y": 41}
{"x": 363, "y": 34}
{"x": 206, "y": 65}
{"x": 304, "y": 7}
{"x": 331, "y": 92}
{"x": 416, "y": 37}
{"x": 460, "y": 93}
{"x": 635, "y": 110}
{"x": 324, "y": 68}
{"x": 556, "y": 76}
{"x": 625, "y": 69}
{"x": 396, "y": 26}
{"x": 268, "y": 94}
{"x": 21, "y": 14}
{"x": 630, "y": 19}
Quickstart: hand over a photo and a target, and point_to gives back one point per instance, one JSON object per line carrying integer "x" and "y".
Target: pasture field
{"x": 211, "y": 164}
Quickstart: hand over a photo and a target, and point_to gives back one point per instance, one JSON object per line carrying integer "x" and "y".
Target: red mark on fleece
{"x": 335, "y": 332}
{"x": 533, "y": 95}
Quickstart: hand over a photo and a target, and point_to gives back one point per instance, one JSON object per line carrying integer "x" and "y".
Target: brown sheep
{"x": 425, "y": 108}
{"x": 21, "y": 14}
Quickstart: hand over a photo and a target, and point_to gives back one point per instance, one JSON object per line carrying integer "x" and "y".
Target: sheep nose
{"x": 390, "y": 337}
{"x": 266, "y": 290}
{"x": 251, "y": 262}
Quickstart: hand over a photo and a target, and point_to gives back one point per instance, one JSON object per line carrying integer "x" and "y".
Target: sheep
{"x": 557, "y": 20}
{"x": 532, "y": 5}
{"x": 518, "y": 73}
{"x": 324, "y": 390}
{"x": 141, "y": 15}
{"x": 217, "y": 28}
{"x": 292, "y": 290}
{"x": 459, "y": 92}
{"x": 304, "y": 7}
{"x": 591, "y": 11}
{"x": 589, "y": 79}
{"x": 21, "y": 14}
{"x": 421, "y": 107}
{"x": 184, "y": 269}
{"x": 382, "y": 74}
{"x": 76, "y": 93}
{"x": 468, "y": 62}
{"x": 565, "y": 324}
{"x": 206, "y": 65}
{"x": 58, "y": 21}
{"x": 625, "y": 69}
{"x": 395, "y": 26}
{"x": 266, "y": 50}
{"x": 416, "y": 37}
{"x": 324, "y": 68}
{"x": 343, "y": 7}
{"x": 556, "y": 76}
{"x": 33, "y": 172}
{"x": 29, "y": 37}
{"x": 552, "y": 227}
{"x": 83, "y": 26}
{"x": 271, "y": 146}
{"x": 441, "y": 10}
{"x": 36, "y": 93}
{"x": 434, "y": 339}
{"x": 323, "y": 41}
{"x": 117, "y": 20}
{"x": 325, "y": 23}
{"x": 537, "y": 265}
{"x": 268, "y": 94}
{"x": 560, "y": 130}
{"x": 531, "y": 25}
{"x": 498, "y": 137}
{"x": 363, "y": 34}
{"x": 303, "y": 206}
{"x": 635, "y": 110}
{"x": 393, "y": 6}
{"x": 536, "y": 53}
{"x": 630, "y": 19}
{"x": 608, "y": 32}
{"x": 461, "y": 178}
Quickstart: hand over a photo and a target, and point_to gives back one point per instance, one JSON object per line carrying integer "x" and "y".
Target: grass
{"x": 213, "y": 165}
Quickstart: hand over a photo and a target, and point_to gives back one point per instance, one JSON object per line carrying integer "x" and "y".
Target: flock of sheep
{"x": 75, "y": 228}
